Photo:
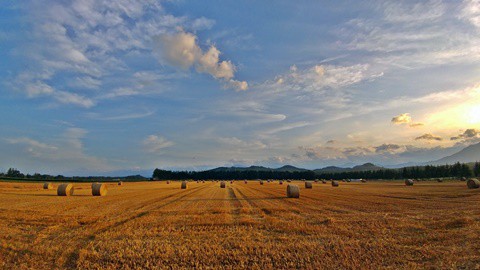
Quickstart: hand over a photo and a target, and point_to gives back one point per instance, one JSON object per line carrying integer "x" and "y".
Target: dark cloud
{"x": 467, "y": 135}
{"x": 388, "y": 148}
{"x": 416, "y": 125}
{"x": 429, "y": 137}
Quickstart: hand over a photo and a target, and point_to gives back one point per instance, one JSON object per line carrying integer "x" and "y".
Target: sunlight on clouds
{"x": 182, "y": 50}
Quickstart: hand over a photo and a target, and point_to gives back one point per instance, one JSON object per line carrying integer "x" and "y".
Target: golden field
{"x": 374, "y": 225}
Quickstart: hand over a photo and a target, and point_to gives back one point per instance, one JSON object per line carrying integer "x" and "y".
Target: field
{"x": 157, "y": 225}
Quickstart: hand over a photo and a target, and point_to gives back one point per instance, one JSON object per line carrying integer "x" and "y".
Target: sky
{"x": 97, "y": 87}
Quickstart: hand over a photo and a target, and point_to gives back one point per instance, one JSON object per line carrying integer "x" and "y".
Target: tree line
{"x": 417, "y": 172}
{"x": 13, "y": 173}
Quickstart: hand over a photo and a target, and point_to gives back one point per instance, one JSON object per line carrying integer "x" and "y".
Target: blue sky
{"x": 94, "y": 87}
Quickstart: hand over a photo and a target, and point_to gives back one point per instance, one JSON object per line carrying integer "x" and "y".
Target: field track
{"x": 374, "y": 225}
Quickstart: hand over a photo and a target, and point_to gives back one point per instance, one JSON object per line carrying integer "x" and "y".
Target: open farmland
{"x": 157, "y": 225}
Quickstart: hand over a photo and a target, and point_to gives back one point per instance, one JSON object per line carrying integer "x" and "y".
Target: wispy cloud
{"x": 155, "y": 143}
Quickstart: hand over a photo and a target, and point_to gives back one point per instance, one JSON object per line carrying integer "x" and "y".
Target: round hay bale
{"x": 316, "y": 181}
{"x": 334, "y": 183}
{"x": 65, "y": 190}
{"x": 120, "y": 183}
{"x": 308, "y": 184}
{"x": 280, "y": 182}
{"x": 349, "y": 180}
{"x": 184, "y": 185}
{"x": 439, "y": 180}
{"x": 168, "y": 182}
{"x": 231, "y": 182}
{"x": 363, "y": 180}
{"x": 473, "y": 183}
{"x": 47, "y": 185}
{"x": 324, "y": 181}
{"x": 408, "y": 182}
{"x": 245, "y": 182}
{"x": 99, "y": 189}
{"x": 289, "y": 181}
{"x": 261, "y": 182}
{"x": 222, "y": 184}
{"x": 293, "y": 191}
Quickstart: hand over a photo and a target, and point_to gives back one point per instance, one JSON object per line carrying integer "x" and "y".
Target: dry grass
{"x": 154, "y": 225}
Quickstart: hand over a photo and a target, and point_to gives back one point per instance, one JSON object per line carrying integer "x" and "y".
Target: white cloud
{"x": 154, "y": 143}
{"x": 471, "y": 12}
{"x": 319, "y": 77}
{"x": 38, "y": 89}
{"x": 72, "y": 98}
{"x": 85, "y": 43}
{"x": 181, "y": 50}
{"x": 202, "y": 23}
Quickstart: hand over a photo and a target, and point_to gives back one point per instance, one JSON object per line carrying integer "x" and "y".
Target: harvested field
{"x": 158, "y": 225}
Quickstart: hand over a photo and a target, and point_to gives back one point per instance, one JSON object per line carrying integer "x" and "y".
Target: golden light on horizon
{"x": 458, "y": 115}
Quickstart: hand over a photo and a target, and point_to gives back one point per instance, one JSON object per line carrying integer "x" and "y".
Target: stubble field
{"x": 374, "y": 225}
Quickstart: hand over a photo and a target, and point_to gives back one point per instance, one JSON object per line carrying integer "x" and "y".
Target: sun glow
{"x": 472, "y": 115}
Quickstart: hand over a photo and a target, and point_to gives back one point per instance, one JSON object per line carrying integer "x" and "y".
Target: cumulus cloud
{"x": 467, "y": 135}
{"x": 428, "y": 137}
{"x": 182, "y": 50}
{"x": 154, "y": 143}
{"x": 403, "y": 118}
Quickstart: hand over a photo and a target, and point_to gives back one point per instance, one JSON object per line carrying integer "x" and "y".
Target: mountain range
{"x": 470, "y": 153}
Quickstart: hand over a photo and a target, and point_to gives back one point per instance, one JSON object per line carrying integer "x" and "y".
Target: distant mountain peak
{"x": 468, "y": 154}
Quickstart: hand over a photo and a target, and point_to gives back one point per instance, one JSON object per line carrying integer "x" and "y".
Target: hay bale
{"x": 334, "y": 183}
{"x": 222, "y": 184}
{"x": 293, "y": 191}
{"x": 439, "y": 180}
{"x": 99, "y": 189}
{"x": 473, "y": 183}
{"x": 231, "y": 182}
{"x": 409, "y": 182}
{"x": 168, "y": 182}
{"x": 47, "y": 185}
{"x": 184, "y": 185}
{"x": 245, "y": 181}
{"x": 316, "y": 181}
{"x": 65, "y": 190}
{"x": 308, "y": 184}
{"x": 120, "y": 183}
{"x": 363, "y": 180}
{"x": 289, "y": 181}
{"x": 261, "y": 182}
{"x": 280, "y": 182}
{"x": 349, "y": 180}
{"x": 324, "y": 181}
